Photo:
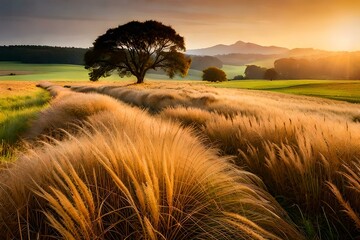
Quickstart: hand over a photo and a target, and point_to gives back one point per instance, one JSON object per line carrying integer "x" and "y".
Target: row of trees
{"x": 214, "y": 74}
{"x": 67, "y": 55}
{"x": 42, "y": 54}
{"x": 256, "y": 72}
{"x": 338, "y": 66}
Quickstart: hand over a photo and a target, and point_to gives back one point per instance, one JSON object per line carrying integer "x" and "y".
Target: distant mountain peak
{"x": 239, "y": 42}
{"x": 238, "y": 47}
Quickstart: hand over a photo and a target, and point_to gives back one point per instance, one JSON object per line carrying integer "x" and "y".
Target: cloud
{"x": 202, "y": 22}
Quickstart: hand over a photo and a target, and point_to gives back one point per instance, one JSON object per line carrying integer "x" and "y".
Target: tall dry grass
{"x": 152, "y": 100}
{"x": 67, "y": 113}
{"x": 297, "y": 158}
{"x": 225, "y": 101}
{"x": 351, "y": 174}
{"x": 306, "y": 150}
{"x": 127, "y": 175}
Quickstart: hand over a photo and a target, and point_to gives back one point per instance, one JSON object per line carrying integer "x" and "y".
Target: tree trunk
{"x": 140, "y": 78}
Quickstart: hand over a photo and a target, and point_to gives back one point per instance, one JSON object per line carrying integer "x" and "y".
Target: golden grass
{"x": 125, "y": 174}
{"x": 10, "y": 88}
{"x": 67, "y": 112}
{"x": 352, "y": 185}
{"x": 303, "y": 148}
{"x": 19, "y": 105}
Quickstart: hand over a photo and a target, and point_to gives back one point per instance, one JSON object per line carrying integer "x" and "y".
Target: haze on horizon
{"x": 322, "y": 24}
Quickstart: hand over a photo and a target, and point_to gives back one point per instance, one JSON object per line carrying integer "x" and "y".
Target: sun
{"x": 345, "y": 35}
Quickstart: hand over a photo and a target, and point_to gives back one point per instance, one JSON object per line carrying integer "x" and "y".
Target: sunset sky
{"x": 324, "y": 24}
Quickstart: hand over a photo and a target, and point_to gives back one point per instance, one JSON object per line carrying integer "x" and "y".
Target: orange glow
{"x": 345, "y": 34}
{"x": 322, "y": 24}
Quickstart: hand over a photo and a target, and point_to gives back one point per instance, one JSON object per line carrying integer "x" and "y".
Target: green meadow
{"x": 66, "y": 72}
{"x": 41, "y": 72}
{"x": 14, "y": 71}
{"x": 16, "y": 113}
{"x": 346, "y": 90}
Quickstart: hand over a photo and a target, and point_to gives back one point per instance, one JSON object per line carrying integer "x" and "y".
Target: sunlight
{"x": 345, "y": 35}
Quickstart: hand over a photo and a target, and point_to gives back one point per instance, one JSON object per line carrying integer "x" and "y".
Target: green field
{"x": 17, "y": 110}
{"x": 41, "y": 72}
{"x": 334, "y": 89}
{"x": 64, "y": 72}
{"x": 346, "y": 90}
{"x": 231, "y": 71}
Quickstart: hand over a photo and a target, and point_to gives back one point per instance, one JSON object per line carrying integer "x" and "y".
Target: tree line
{"x": 70, "y": 55}
{"x": 335, "y": 66}
{"x": 338, "y": 66}
{"x": 42, "y": 54}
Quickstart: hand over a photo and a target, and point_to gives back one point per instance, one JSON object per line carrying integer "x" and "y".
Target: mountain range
{"x": 243, "y": 53}
{"x": 239, "y": 47}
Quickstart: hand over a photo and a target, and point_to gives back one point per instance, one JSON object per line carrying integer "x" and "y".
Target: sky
{"x": 321, "y": 24}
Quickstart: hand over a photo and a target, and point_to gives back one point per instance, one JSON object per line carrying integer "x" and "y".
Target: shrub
{"x": 239, "y": 77}
{"x": 214, "y": 74}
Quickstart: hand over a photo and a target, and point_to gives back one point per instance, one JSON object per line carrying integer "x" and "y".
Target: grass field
{"x": 41, "y": 72}
{"x": 334, "y": 89}
{"x": 345, "y": 90}
{"x": 232, "y": 71}
{"x": 180, "y": 161}
{"x": 19, "y": 105}
{"x": 63, "y": 72}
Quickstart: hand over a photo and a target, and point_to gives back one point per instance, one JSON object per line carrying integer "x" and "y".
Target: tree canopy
{"x": 136, "y": 47}
{"x": 254, "y": 72}
{"x": 214, "y": 74}
{"x": 270, "y": 74}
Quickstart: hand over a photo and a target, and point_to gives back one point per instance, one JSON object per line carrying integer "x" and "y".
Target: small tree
{"x": 214, "y": 74}
{"x": 270, "y": 74}
{"x": 135, "y": 48}
{"x": 239, "y": 77}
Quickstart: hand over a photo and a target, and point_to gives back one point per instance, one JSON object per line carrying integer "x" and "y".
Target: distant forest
{"x": 42, "y": 54}
{"x": 336, "y": 66}
{"x": 318, "y": 65}
{"x": 66, "y": 55}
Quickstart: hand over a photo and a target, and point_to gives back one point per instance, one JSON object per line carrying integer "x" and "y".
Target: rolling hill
{"x": 239, "y": 47}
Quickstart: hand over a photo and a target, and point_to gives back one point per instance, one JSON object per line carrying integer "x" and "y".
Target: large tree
{"x": 136, "y": 47}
